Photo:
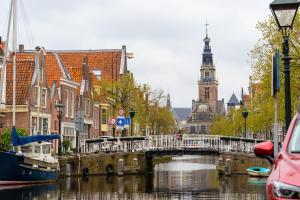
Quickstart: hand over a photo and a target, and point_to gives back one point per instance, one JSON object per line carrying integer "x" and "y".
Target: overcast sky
{"x": 166, "y": 36}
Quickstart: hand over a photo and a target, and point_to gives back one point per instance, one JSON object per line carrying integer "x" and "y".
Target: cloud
{"x": 166, "y": 37}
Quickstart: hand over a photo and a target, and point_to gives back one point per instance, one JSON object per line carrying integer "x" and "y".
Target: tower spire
{"x": 206, "y": 24}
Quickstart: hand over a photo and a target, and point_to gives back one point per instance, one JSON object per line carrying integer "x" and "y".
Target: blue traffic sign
{"x": 120, "y": 121}
{"x": 127, "y": 120}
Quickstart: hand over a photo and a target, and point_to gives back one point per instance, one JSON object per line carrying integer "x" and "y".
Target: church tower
{"x": 207, "y": 106}
{"x": 208, "y": 85}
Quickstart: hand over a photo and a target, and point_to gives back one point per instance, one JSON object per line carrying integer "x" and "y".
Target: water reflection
{"x": 182, "y": 178}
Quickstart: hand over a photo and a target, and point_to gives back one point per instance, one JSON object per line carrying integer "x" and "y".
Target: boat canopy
{"x": 22, "y": 140}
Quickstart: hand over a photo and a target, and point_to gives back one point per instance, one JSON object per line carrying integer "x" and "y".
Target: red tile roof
{"x": 25, "y": 70}
{"x": 53, "y": 71}
{"x": 107, "y": 61}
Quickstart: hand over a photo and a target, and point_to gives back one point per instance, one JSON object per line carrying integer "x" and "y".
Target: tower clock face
{"x": 203, "y": 108}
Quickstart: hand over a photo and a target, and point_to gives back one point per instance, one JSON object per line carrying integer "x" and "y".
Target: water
{"x": 186, "y": 177}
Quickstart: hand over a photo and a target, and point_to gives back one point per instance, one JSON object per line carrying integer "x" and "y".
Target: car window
{"x": 294, "y": 145}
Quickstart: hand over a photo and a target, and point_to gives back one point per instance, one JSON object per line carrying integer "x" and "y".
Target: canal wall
{"x": 237, "y": 163}
{"x": 103, "y": 164}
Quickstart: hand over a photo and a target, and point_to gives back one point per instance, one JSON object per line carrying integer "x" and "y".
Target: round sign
{"x": 112, "y": 121}
{"x": 121, "y": 112}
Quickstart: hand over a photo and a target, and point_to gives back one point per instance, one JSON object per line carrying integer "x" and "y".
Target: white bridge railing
{"x": 171, "y": 142}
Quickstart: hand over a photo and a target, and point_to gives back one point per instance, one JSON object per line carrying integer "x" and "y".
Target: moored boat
{"x": 33, "y": 163}
{"x": 258, "y": 171}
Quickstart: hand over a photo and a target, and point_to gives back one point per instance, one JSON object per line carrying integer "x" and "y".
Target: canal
{"x": 185, "y": 177}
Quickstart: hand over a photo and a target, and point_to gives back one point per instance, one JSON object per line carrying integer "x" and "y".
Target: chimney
{"x": 21, "y": 48}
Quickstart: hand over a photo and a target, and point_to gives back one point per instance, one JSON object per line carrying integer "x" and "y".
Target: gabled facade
{"x": 33, "y": 102}
{"x": 45, "y": 77}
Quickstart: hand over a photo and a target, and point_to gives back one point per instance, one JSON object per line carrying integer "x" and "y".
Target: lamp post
{"x": 59, "y": 107}
{"x": 132, "y": 114}
{"x": 284, "y": 12}
{"x": 245, "y": 115}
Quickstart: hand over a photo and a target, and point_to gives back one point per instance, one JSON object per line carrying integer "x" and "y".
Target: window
{"x": 72, "y": 104}
{"x": 34, "y": 125}
{"x": 203, "y": 128}
{"x": 104, "y": 116}
{"x": 36, "y": 91}
{"x": 42, "y": 126}
{"x": 67, "y": 104}
{"x": 206, "y": 74}
{"x": 43, "y": 98}
{"x": 46, "y": 149}
{"x": 26, "y": 149}
{"x": 68, "y": 131}
{"x": 45, "y": 126}
{"x": 206, "y": 93}
{"x": 37, "y": 149}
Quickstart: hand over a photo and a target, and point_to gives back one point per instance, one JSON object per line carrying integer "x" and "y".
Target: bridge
{"x": 129, "y": 155}
{"x": 172, "y": 144}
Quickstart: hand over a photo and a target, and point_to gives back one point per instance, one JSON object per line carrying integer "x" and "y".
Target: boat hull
{"x": 15, "y": 171}
{"x": 258, "y": 171}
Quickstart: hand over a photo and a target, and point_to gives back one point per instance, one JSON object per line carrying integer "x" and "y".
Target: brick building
{"x": 73, "y": 77}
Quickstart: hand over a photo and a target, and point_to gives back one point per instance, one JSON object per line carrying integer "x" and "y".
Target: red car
{"x": 284, "y": 180}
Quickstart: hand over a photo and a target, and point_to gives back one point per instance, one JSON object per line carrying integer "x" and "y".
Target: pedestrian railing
{"x": 171, "y": 142}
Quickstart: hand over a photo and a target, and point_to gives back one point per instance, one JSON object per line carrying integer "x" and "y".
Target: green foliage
{"x": 5, "y": 137}
{"x": 261, "y": 104}
{"x": 147, "y": 103}
{"x": 66, "y": 144}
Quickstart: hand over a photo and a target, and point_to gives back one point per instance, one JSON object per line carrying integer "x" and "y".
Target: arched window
{"x": 206, "y": 93}
{"x": 206, "y": 74}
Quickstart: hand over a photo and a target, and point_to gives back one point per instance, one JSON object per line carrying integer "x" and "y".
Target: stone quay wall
{"x": 103, "y": 164}
{"x": 237, "y": 163}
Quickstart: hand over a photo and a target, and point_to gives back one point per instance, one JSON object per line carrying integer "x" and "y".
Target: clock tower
{"x": 207, "y": 106}
{"x": 208, "y": 85}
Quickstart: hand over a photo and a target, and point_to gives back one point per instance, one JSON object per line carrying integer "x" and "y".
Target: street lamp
{"x": 284, "y": 12}
{"x": 245, "y": 115}
{"x": 59, "y": 107}
{"x": 132, "y": 114}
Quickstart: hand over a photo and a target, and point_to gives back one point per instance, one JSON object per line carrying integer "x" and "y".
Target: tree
{"x": 261, "y": 105}
{"x": 147, "y": 103}
{"x": 5, "y": 137}
{"x": 66, "y": 144}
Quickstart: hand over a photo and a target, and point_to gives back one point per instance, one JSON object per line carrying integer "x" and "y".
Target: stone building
{"x": 207, "y": 106}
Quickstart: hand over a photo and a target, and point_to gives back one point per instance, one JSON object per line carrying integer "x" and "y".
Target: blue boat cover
{"x": 22, "y": 140}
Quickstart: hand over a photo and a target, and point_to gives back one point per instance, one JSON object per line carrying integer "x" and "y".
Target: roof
{"x": 53, "y": 71}
{"x": 233, "y": 101}
{"x": 182, "y": 114}
{"x": 109, "y": 62}
{"x": 24, "y": 74}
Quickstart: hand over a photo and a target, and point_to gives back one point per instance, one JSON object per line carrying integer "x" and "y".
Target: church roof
{"x": 182, "y": 114}
{"x": 233, "y": 101}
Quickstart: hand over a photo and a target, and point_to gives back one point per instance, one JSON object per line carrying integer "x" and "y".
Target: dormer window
{"x": 97, "y": 73}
